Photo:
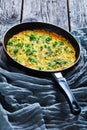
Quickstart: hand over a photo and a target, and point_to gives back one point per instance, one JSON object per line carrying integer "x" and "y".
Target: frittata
{"x": 41, "y": 50}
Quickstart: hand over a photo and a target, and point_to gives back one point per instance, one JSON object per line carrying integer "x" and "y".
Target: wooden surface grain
{"x": 10, "y": 13}
{"x": 69, "y": 14}
{"x": 50, "y": 11}
{"x": 78, "y": 13}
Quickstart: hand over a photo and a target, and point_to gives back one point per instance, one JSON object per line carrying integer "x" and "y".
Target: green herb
{"x": 40, "y": 68}
{"x": 71, "y": 51}
{"x": 59, "y": 49}
{"x": 32, "y": 60}
{"x": 60, "y": 62}
{"x": 48, "y": 39}
{"x": 19, "y": 44}
{"x": 18, "y": 39}
{"x": 51, "y": 65}
{"x": 32, "y": 37}
{"x": 65, "y": 48}
{"x": 55, "y": 44}
{"x": 10, "y": 43}
{"x": 16, "y": 59}
{"x": 27, "y": 45}
{"x": 41, "y": 48}
{"x": 48, "y": 53}
{"x": 45, "y": 45}
{"x": 58, "y": 43}
{"x": 15, "y": 50}
{"x": 30, "y": 51}
{"x": 49, "y": 48}
{"x": 56, "y": 51}
{"x": 61, "y": 43}
{"x": 23, "y": 50}
{"x": 37, "y": 41}
{"x": 63, "y": 62}
{"x": 57, "y": 62}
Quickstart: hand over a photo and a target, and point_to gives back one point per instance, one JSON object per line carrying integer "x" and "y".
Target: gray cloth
{"x": 33, "y": 103}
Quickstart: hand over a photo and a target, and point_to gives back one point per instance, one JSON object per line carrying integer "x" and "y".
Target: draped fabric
{"x": 33, "y": 103}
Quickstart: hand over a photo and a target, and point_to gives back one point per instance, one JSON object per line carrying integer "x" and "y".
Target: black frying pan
{"x": 57, "y": 75}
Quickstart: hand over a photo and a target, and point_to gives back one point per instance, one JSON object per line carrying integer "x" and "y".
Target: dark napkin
{"x": 33, "y": 103}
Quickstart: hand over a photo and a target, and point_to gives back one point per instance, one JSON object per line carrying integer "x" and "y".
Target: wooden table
{"x": 69, "y": 14}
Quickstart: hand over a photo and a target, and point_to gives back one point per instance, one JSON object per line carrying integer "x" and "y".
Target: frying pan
{"x": 57, "y": 75}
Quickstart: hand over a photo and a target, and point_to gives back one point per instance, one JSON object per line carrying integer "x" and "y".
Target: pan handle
{"x": 74, "y": 106}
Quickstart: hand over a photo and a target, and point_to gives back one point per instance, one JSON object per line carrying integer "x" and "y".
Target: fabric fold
{"x": 33, "y": 103}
